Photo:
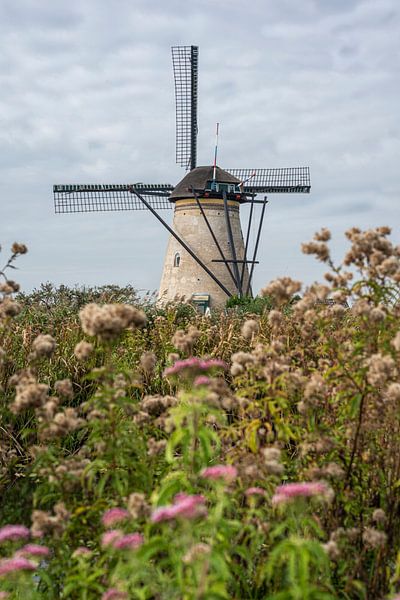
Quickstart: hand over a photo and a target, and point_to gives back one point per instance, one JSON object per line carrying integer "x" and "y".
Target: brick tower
{"x": 206, "y": 216}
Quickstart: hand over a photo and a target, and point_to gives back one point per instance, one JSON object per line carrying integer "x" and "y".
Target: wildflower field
{"x": 154, "y": 453}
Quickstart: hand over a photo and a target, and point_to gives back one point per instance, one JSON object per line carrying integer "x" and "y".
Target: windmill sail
{"x": 73, "y": 198}
{"x": 185, "y": 61}
{"x": 274, "y": 181}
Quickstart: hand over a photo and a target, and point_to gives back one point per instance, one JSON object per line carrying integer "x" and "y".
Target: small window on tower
{"x": 177, "y": 259}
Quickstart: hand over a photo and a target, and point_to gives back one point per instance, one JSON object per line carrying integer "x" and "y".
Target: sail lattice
{"x": 274, "y": 181}
{"x": 73, "y": 198}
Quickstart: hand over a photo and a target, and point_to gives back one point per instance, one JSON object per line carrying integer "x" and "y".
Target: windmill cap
{"x": 197, "y": 178}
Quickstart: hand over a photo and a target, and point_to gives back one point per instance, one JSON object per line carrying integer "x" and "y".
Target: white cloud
{"x": 87, "y": 95}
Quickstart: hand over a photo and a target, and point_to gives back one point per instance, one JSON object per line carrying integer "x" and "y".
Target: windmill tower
{"x": 207, "y": 259}
{"x": 209, "y": 221}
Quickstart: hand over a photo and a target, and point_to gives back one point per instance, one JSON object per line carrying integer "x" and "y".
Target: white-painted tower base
{"x": 182, "y": 276}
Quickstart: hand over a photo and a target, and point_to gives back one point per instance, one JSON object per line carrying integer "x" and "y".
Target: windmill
{"x": 207, "y": 259}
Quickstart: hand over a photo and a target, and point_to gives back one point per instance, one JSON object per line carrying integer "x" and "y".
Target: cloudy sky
{"x": 87, "y": 96}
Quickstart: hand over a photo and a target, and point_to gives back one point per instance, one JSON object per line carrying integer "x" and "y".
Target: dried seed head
{"x": 281, "y": 290}
{"x": 29, "y": 394}
{"x": 250, "y": 328}
{"x": 43, "y": 522}
{"x": 185, "y": 342}
{"x": 9, "y": 287}
{"x": 316, "y": 389}
{"x": 393, "y": 392}
{"x": 44, "y": 345}
{"x": 324, "y": 235}
{"x": 236, "y": 369}
{"x": 374, "y": 538}
{"x": 362, "y": 307}
{"x": 379, "y": 515}
{"x": 9, "y": 308}
{"x": 377, "y": 314}
{"x": 64, "y": 388}
{"x": 148, "y": 362}
{"x": 380, "y": 369}
{"x": 109, "y": 320}
{"x": 319, "y": 249}
{"x": 137, "y": 506}
{"x": 61, "y": 424}
{"x": 275, "y": 318}
{"x": 156, "y": 405}
{"x": 242, "y": 358}
{"x": 321, "y": 292}
{"x": 83, "y": 350}
{"x": 332, "y": 549}
{"x": 17, "y": 248}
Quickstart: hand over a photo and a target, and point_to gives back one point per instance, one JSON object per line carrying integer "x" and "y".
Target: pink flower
{"x": 131, "y": 541}
{"x": 17, "y": 563}
{"x": 288, "y": 491}
{"x": 4, "y": 595}
{"x": 82, "y": 550}
{"x": 226, "y": 472}
{"x": 184, "y": 506}
{"x": 254, "y": 491}
{"x": 201, "y": 380}
{"x": 33, "y": 550}
{"x": 193, "y": 365}
{"x": 108, "y": 538}
{"x": 13, "y": 532}
{"x": 113, "y": 516}
{"x": 114, "y": 594}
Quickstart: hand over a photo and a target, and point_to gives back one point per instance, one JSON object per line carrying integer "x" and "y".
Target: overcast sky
{"x": 87, "y": 96}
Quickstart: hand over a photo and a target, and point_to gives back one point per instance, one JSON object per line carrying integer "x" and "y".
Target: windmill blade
{"x": 185, "y": 61}
{"x": 274, "y": 181}
{"x": 73, "y": 198}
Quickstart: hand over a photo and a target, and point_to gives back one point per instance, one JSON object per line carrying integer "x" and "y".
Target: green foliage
{"x": 248, "y": 304}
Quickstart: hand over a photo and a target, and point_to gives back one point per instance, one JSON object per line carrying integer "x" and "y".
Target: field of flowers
{"x": 156, "y": 454}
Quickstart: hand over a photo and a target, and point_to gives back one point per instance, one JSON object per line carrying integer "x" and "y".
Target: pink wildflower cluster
{"x": 109, "y": 537}
{"x": 119, "y": 541}
{"x": 226, "y": 472}
{"x": 192, "y": 366}
{"x": 17, "y": 563}
{"x": 129, "y": 541}
{"x": 13, "y": 532}
{"x": 33, "y": 550}
{"x": 288, "y": 491}
{"x": 184, "y": 506}
{"x": 114, "y": 515}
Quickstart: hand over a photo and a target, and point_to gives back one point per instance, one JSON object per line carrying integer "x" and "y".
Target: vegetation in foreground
{"x": 158, "y": 454}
